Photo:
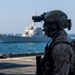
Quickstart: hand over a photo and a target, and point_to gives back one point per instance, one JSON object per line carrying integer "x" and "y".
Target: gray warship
{"x": 30, "y": 34}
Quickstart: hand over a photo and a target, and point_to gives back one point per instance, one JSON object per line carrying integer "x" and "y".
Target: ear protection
{"x": 67, "y": 24}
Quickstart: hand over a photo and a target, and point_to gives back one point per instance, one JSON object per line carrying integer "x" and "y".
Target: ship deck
{"x": 25, "y": 65}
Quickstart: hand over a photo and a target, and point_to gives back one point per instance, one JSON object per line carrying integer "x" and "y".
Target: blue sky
{"x": 15, "y": 15}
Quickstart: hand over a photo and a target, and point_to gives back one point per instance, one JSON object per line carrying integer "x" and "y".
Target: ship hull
{"x": 20, "y": 39}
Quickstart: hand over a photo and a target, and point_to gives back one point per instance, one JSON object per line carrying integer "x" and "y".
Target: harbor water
{"x": 7, "y": 48}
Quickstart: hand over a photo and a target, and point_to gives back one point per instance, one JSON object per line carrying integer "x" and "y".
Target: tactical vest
{"x": 47, "y": 64}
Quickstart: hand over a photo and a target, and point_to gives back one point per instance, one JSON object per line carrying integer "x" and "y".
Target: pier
{"x": 18, "y": 64}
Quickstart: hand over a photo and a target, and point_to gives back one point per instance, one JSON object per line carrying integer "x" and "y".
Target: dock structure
{"x": 25, "y": 65}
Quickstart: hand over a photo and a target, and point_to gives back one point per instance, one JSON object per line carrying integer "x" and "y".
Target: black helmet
{"x": 59, "y": 17}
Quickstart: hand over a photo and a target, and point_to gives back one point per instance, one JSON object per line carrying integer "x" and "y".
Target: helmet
{"x": 58, "y": 17}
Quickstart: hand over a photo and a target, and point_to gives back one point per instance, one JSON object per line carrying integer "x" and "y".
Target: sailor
{"x": 58, "y": 58}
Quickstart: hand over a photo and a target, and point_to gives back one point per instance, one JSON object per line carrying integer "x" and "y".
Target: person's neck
{"x": 56, "y": 34}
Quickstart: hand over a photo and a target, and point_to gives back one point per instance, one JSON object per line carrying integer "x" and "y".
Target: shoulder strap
{"x": 64, "y": 42}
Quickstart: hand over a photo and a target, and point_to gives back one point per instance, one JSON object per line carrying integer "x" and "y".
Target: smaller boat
{"x": 30, "y": 34}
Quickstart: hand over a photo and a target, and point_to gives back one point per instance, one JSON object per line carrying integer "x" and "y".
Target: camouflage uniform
{"x": 63, "y": 56}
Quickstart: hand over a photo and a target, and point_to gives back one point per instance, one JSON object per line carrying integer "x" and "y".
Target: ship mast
{"x": 33, "y": 23}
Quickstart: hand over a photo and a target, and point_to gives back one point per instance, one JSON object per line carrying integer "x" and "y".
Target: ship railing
{"x": 13, "y": 55}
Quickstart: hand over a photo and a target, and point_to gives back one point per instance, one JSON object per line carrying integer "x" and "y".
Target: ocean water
{"x": 6, "y": 48}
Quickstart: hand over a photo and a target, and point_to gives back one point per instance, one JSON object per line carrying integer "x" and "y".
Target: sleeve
{"x": 61, "y": 57}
